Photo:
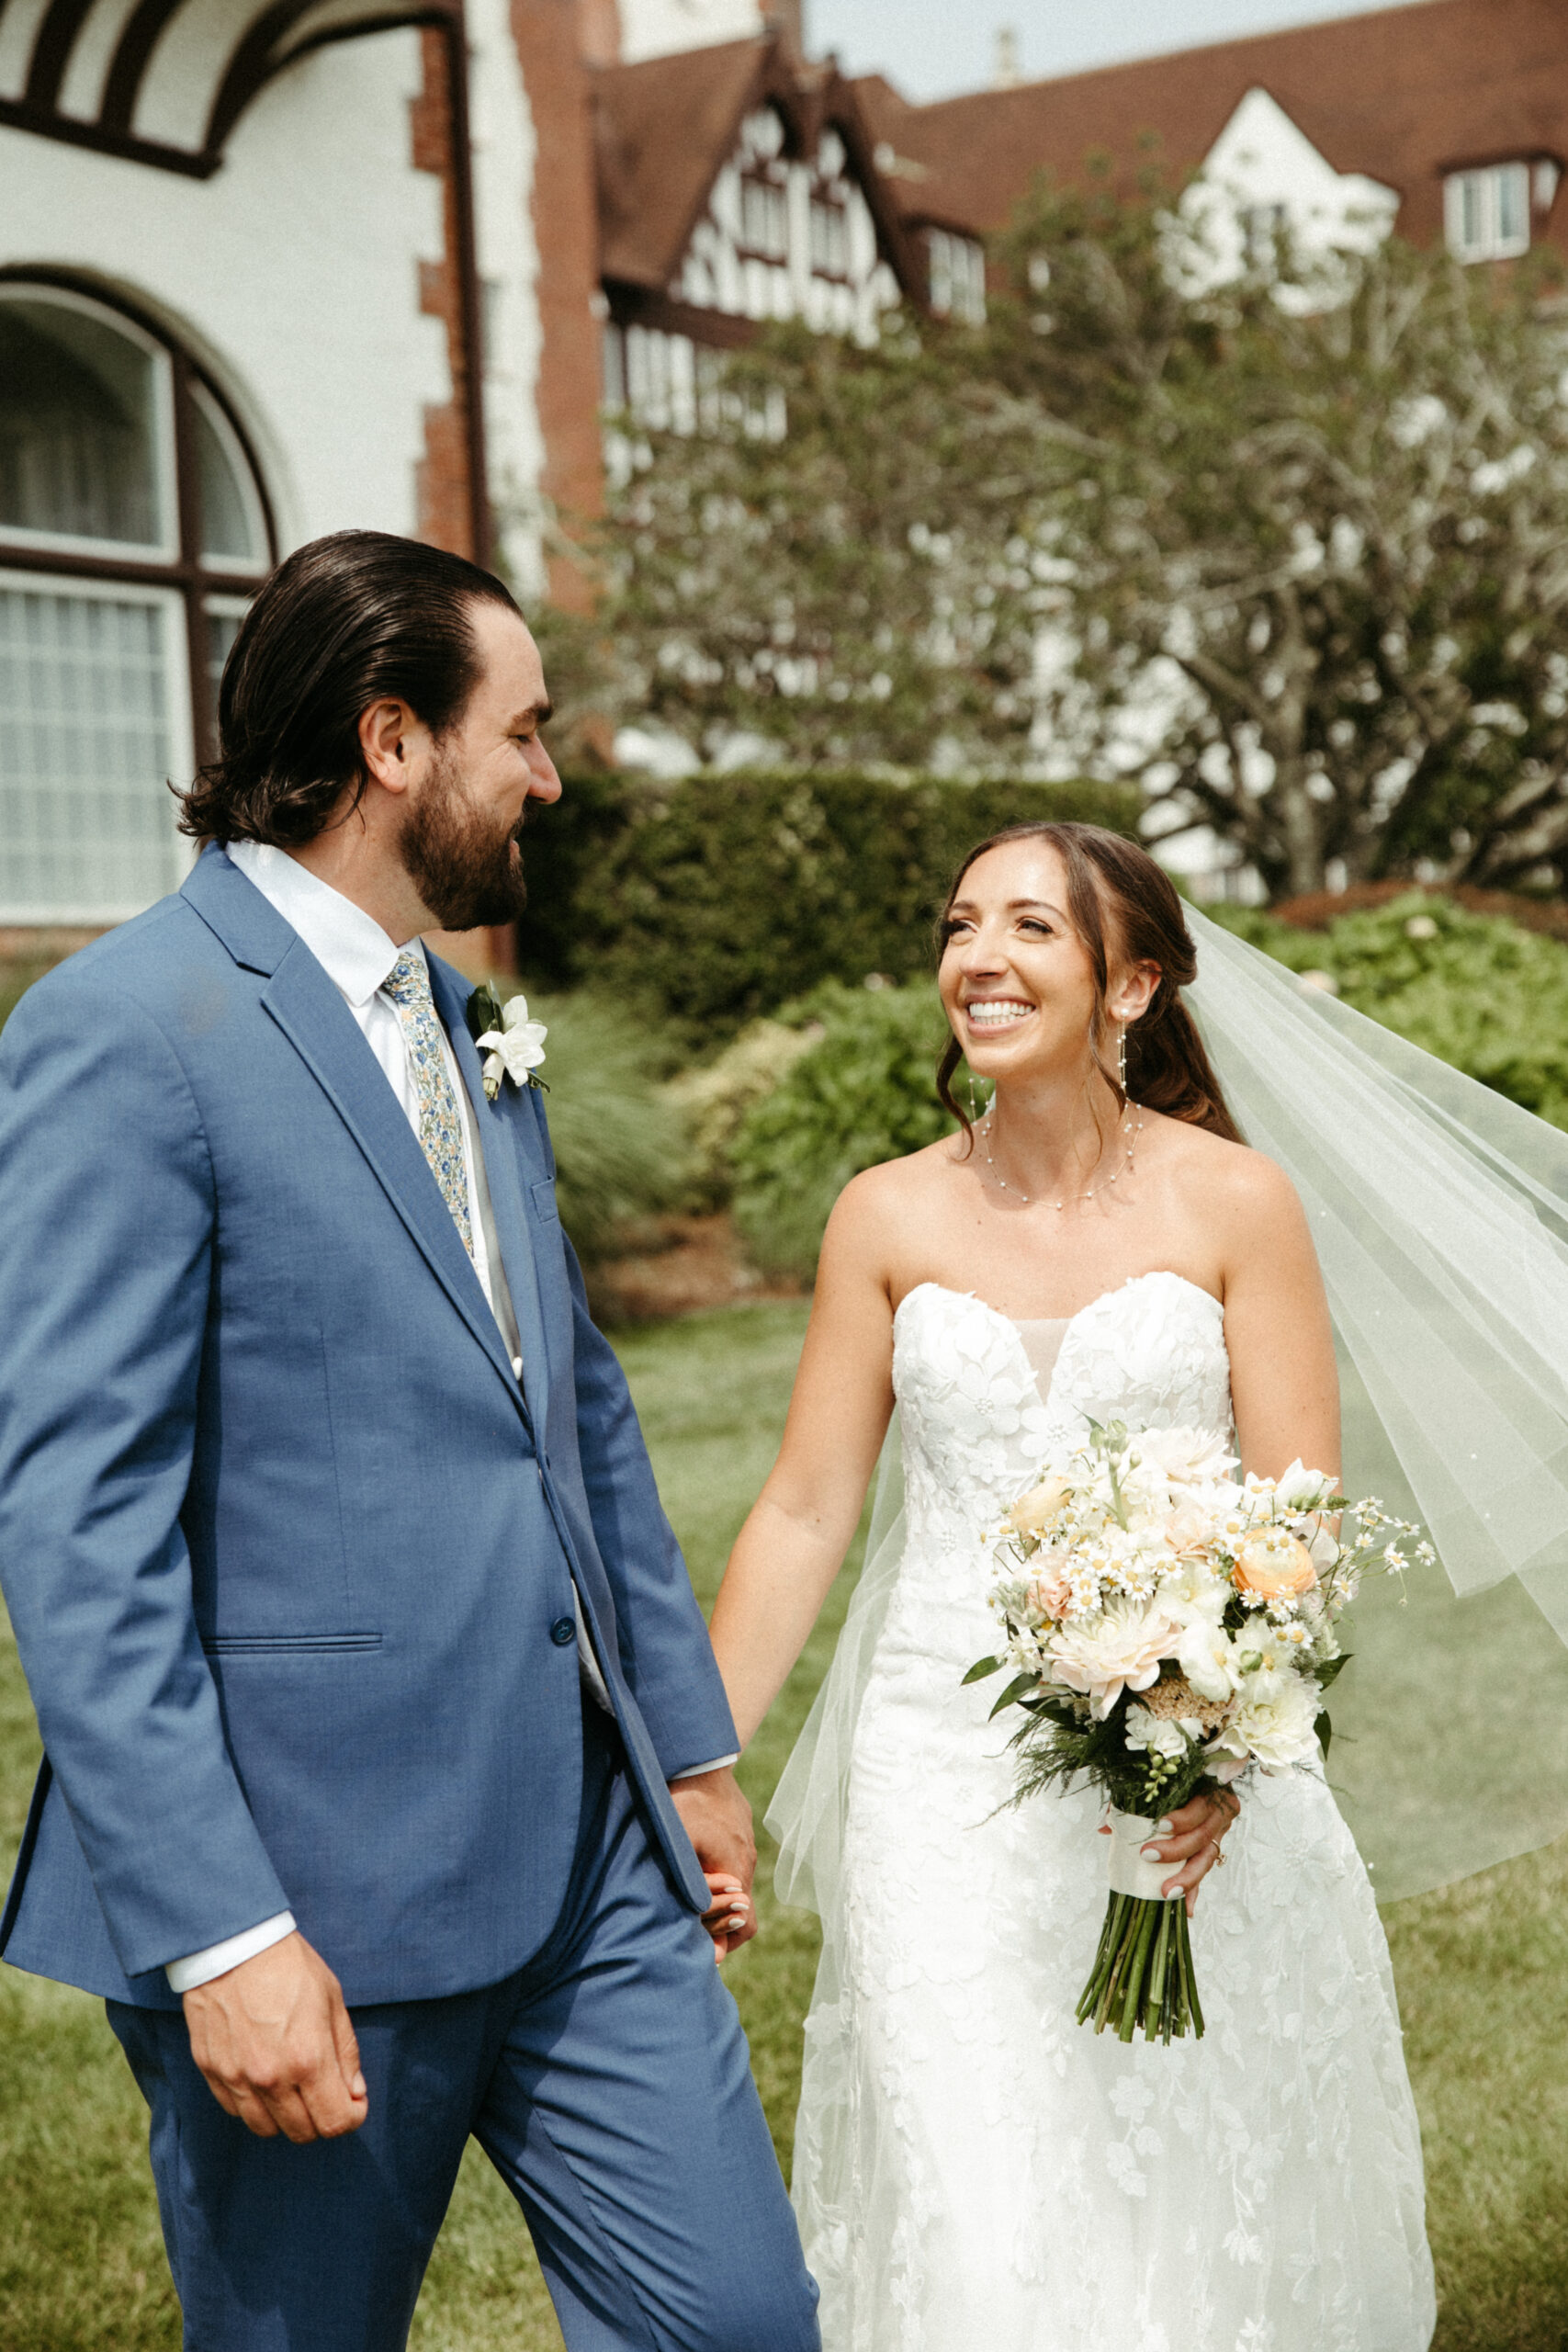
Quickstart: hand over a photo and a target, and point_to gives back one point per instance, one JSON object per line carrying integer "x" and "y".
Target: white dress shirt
{"x": 357, "y": 957}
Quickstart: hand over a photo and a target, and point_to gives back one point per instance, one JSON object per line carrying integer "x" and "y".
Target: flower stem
{"x": 1143, "y": 1973}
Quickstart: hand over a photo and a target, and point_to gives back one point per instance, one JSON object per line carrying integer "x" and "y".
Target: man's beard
{"x": 466, "y": 874}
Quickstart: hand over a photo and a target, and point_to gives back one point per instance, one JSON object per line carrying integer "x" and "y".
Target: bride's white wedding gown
{"x": 975, "y": 2172}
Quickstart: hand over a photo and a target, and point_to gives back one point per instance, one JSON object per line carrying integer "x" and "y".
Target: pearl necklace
{"x": 1016, "y": 1191}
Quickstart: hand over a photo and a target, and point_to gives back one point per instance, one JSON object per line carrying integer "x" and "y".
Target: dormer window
{"x": 830, "y": 236}
{"x": 956, "y": 277}
{"x": 1487, "y": 211}
{"x": 764, "y": 219}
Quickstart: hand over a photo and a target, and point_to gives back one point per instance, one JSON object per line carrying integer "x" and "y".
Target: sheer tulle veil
{"x": 1440, "y": 1215}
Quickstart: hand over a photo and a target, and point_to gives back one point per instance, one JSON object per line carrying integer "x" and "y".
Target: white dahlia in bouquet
{"x": 1170, "y": 1627}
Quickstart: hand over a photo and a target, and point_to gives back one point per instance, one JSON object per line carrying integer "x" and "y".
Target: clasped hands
{"x": 717, "y": 1817}
{"x": 1191, "y": 1836}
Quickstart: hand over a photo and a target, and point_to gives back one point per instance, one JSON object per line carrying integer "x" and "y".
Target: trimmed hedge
{"x": 709, "y": 902}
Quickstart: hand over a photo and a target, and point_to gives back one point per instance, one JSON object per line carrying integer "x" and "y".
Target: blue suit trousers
{"x": 608, "y": 2083}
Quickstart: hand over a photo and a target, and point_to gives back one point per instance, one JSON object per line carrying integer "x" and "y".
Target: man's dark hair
{"x": 342, "y": 623}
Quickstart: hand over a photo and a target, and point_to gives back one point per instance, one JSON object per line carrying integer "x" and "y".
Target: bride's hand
{"x": 1194, "y": 1840}
{"x": 729, "y": 1919}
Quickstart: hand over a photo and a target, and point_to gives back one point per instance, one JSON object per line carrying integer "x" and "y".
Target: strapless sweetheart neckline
{"x": 1154, "y": 1274}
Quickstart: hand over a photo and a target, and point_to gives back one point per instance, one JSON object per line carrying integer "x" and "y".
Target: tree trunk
{"x": 1301, "y": 828}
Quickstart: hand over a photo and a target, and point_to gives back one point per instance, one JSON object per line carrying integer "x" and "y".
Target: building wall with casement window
{"x": 293, "y": 274}
{"x": 301, "y": 304}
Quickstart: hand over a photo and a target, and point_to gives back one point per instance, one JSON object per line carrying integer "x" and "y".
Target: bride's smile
{"x": 1044, "y": 1018}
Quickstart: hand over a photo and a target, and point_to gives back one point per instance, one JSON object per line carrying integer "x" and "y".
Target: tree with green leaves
{"x": 1313, "y": 540}
{"x": 850, "y": 590}
{"x": 1290, "y": 546}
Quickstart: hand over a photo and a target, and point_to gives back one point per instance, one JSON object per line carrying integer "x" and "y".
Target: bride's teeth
{"x": 993, "y": 1015}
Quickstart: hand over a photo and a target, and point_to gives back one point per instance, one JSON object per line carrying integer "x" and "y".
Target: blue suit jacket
{"x": 289, "y": 1553}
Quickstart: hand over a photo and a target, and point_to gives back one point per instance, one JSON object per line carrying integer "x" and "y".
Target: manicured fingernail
{"x": 1153, "y": 1854}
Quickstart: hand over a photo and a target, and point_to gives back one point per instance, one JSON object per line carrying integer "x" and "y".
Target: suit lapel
{"x": 322, "y": 1031}
{"x": 312, "y": 1015}
{"x": 512, "y": 1229}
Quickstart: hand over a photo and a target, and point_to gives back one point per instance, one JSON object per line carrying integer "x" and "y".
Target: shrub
{"x": 865, "y": 1091}
{"x": 715, "y": 1097}
{"x": 1476, "y": 990}
{"x": 721, "y": 898}
{"x": 566, "y": 851}
{"x": 619, "y": 1144}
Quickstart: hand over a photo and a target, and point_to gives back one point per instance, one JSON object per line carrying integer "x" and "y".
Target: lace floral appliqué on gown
{"x": 973, "y": 2168}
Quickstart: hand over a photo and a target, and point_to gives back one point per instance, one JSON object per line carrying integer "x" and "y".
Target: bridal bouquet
{"x": 1168, "y": 1625}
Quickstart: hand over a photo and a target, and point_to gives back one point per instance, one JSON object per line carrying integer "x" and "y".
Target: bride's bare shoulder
{"x": 879, "y": 1204}
{"x": 1230, "y": 1178}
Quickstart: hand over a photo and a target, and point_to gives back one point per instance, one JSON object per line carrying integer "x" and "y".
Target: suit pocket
{"x": 268, "y": 1645}
{"x": 545, "y": 1207}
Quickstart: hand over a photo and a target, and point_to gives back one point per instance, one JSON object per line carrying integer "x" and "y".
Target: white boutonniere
{"x": 513, "y": 1046}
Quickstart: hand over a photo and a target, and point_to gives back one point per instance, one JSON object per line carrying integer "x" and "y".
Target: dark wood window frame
{"x": 193, "y": 578}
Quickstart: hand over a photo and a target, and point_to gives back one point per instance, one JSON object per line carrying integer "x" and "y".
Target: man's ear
{"x": 385, "y": 730}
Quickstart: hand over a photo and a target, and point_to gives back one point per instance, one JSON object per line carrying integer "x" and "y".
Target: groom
{"x": 385, "y": 1750}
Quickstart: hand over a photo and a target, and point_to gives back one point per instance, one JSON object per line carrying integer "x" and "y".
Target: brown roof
{"x": 664, "y": 129}
{"x": 1401, "y": 94}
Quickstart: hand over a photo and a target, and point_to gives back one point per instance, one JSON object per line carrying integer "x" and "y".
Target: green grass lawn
{"x": 1481, "y": 1980}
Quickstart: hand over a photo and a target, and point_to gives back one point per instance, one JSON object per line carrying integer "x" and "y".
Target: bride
{"x": 973, "y": 2168}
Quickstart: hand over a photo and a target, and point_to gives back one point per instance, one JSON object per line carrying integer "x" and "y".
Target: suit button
{"x": 564, "y": 1630}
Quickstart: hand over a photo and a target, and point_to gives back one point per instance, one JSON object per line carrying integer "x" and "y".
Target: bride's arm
{"x": 793, "y": 1542}
{"x": 1284, "y": 1381}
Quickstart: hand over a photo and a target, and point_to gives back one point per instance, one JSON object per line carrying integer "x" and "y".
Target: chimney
{"x": 1007, "y": 74}
{"x": 786, "y": 18}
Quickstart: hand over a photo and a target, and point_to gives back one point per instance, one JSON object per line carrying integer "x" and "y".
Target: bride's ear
{"x": 1132, "y": 990}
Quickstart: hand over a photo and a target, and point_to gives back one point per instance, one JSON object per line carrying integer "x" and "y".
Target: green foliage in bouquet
{"x": 864, "y": 1092}
{"x": 1477, "y": 991}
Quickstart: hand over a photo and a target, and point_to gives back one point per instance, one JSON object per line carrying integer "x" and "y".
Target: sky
{"x": 930, "y": 49}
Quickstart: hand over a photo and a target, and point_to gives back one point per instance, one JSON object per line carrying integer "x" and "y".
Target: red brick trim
{"x": 444, "y": 485}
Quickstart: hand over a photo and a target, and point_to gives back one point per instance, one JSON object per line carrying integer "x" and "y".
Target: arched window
{"x": 133, "y": 531}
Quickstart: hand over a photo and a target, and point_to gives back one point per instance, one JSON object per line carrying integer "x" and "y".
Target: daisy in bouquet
{"x": 1169, "y": 1626}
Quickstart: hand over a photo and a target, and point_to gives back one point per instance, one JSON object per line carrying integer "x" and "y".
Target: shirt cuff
{"x": 695, "y": 1772}
{"x": 201, "y": 1967}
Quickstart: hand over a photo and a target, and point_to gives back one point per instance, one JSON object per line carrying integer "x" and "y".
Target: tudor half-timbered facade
{"x": 738, "y": 185}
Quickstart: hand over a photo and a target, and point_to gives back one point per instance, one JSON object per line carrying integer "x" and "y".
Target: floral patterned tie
{"x": 440, "y": 1121}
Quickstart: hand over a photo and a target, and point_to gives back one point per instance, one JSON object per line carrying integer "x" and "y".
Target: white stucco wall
{"x": 293, "y": 273}
{"x": 1261, "y": 159}
{"x": 504, "y": 150}
{"x": 657, "y": 27}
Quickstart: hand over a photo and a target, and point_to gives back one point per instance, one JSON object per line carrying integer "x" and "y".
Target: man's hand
{"x": 277, "y": 2047}
{"x": 717, "y": 1820}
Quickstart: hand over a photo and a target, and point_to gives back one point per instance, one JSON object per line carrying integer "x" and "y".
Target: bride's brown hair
{"x": 1113, "y": 882}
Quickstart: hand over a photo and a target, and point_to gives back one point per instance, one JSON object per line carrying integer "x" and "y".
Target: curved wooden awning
{"x": 163, "y": 82}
